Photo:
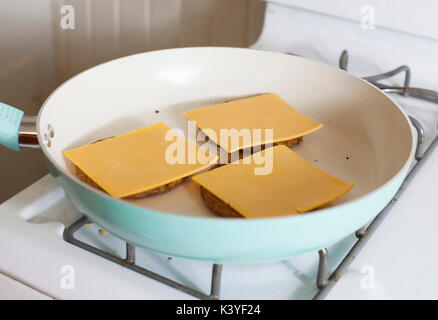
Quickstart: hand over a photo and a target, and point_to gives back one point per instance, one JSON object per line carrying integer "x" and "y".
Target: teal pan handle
{"x": 10, "y": 136}
{"x": 10, "y": 120}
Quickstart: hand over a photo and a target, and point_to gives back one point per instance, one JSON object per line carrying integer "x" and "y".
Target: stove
{"x": 50, "y": 251}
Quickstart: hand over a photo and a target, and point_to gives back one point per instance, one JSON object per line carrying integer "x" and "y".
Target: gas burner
{"x": 324, "y": 281}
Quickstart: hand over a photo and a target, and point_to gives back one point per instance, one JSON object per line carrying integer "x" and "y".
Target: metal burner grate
{"x": 420, "y": 155}
{"x": 129, "y": 262}
{"x": 324, "y": 281}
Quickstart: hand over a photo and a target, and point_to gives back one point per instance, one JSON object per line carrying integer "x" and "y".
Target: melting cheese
{"x": 294, "y": 186}
{"x": 136, "y": 161}
{"x": 266, "y": 111}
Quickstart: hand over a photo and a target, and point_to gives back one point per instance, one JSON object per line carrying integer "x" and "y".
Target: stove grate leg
{"x": 129, "y": 262}
{"x": 362, "y": 232}
{"x": 130, "y": 253}
{"x": 216, "y": 281}
{"x": 322, "y": 277}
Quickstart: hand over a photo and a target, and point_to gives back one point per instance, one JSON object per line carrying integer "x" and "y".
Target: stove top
{"x": 324, "y": 278}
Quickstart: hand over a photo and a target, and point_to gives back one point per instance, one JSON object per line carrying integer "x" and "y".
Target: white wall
{"x": 26, "y": 78}
{"x": 418, "y": 17}
{"x": 36, "y": 54}
{"x": 106, "y": 29}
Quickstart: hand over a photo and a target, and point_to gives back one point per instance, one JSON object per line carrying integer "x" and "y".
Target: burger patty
{"x": 217, "y": 205}
{"x": 289, "y": 143}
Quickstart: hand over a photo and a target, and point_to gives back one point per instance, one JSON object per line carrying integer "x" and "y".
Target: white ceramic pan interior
{"x": 366, "y": 139}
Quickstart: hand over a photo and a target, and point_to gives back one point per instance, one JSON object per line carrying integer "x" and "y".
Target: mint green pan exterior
{"x": 366, "y": 139}
{"x": 222, "y": 240}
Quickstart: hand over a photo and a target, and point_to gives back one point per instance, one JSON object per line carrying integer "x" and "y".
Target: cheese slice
{"x": 265, "y": 111}
{"x": 294, "y": 185}
{"x": 139, "y": 161}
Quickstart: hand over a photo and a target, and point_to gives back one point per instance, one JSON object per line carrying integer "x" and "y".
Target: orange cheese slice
{"x": 139, "y": 161}
{"x": 294, "y": 185}
{"x": 265, "y": 111}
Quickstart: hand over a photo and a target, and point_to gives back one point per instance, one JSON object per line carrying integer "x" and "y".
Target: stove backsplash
{"x": 372, "y": 49}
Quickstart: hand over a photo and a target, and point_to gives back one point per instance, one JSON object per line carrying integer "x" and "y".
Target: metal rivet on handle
{"x": 51, "y": 131}
{"x": 49, "y": 135}
{"x": 47, "y": 140}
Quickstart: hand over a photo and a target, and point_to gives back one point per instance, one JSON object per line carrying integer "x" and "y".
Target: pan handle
{"x": 12, "y": 121}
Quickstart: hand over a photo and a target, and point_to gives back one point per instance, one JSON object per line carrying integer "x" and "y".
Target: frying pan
{"x": 366, "y": 139}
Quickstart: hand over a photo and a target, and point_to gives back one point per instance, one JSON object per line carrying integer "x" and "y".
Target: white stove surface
{"x": 399, "y": 260}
